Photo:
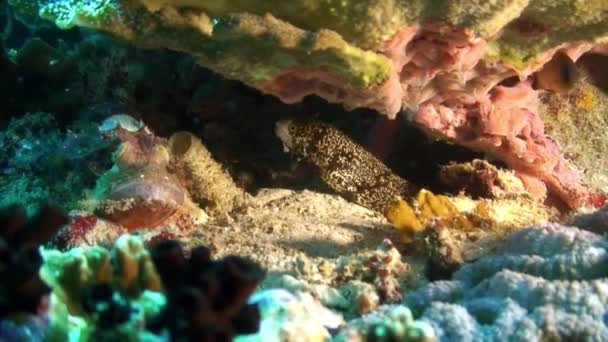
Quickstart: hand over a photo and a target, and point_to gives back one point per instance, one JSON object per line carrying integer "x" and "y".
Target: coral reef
{"x": 104, "y": 294}
{"x": 289, "y": 317}
{"x": 426, "y": 208}
{"x": 544, "y": 282}
{"x": 323, "y": 40}
{"x": 595, "y": 221}
{"x": 41, "y": 162}
{"x": 139, "y": 191}
{"x": 207, "y": 299}
{"x": 480, "y": 179}
{"x": 135, "y": 293}
{"x": 39, "y": 77}
{"x": 86, "y": 229}
{"x": 506, "y": 126}
{"x": 498, "y": 103}
{"x": 388, "y": 323}
{"x": 23, "y": 302}
{"x": 444, "y": 61}
{"x": 481, "y": 226}
{"x": 344, "y": 165}
{"x": 577, "y": 122}
{"x": 353, "y": 284}
{"x": 358, "y": 176}
{"x": 127, "y": 267}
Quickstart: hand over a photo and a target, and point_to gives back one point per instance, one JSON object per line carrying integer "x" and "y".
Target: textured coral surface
{"x": 546, "y": 282}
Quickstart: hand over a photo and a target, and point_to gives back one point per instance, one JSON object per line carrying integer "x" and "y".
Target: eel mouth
{"x": 281, "y": 129}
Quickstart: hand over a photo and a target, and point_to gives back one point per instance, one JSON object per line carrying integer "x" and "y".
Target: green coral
{"x": 220, "y": 42}
{"x": 364, "y": 23}
{"x": 127, "y": 267}
{"x": 566, "y": 21}
{"x": 484, "y": 17}
{"x": 255, "y": 41}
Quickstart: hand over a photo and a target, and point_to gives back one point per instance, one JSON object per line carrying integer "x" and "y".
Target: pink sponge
{"x": 505, "y": 125}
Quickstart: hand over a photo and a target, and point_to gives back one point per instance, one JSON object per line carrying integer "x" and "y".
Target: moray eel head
{"x": 281, "y": 129}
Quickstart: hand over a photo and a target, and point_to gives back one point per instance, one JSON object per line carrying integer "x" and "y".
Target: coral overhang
{"x": 440, "y": 60}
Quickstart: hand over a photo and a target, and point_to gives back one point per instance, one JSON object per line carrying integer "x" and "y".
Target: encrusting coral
{"x": 334, "y": 42}
{"x": 42, "y": 162}
{"x": 544, "y": 282}
{"x": 577, "y": 121}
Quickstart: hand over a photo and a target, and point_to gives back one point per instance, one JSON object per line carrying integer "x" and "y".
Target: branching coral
{"x": 22, "y": 288}
{"x": 128, "y": 267}
{"x": 104, "y": 294}
{"x": 207, "y": 299}
{"x": 132, "y": 293}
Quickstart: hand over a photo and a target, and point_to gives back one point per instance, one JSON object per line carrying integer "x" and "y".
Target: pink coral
{"x": 439, "y": 74}
{"x": 504, "y": 125}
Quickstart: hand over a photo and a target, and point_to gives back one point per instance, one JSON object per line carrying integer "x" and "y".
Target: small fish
{"x": 124, "y": 121}
{"x": 559, "y": 75}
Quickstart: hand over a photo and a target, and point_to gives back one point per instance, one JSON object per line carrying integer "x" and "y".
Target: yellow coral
{"x": 584, "y": 98}
{"x": 134, "y": 270}
{"x": 402, "y": 216}
{"x": 428, "y": 207}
